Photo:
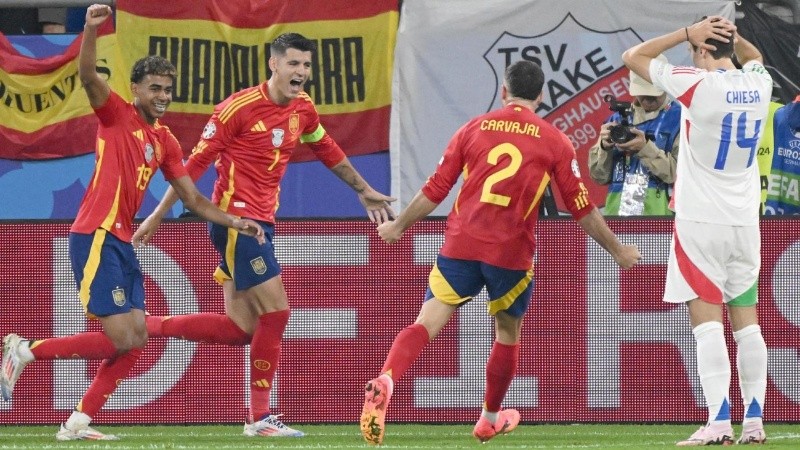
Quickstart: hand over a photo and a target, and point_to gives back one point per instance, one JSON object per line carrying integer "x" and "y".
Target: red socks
{"x": 109, "y": 375}
{"x": 500, "y": 370}
{"x": 265, "y": 352}
{"x": 265, "y": 345}
{"x": 405, "y": 349}
{"x": 89, "y": 345}
{"x": 200, "y": 327}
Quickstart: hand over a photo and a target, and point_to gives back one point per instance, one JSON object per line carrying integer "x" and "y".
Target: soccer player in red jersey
{"x": 249, "y": 139}
{"x": 131, "y": 146}
{"x": 507, "y": 156}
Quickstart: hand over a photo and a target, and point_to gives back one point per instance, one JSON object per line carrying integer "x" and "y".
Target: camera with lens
{"x": 620, "y": 133}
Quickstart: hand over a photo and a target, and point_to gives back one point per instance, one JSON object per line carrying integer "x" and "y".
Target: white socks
{"x": 714, "y": 369}
{"x": 751, "y": 362}
{"x": 713, "y": 366}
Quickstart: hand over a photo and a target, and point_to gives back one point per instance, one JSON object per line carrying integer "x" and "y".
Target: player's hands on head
{"x": 628, "y": 256}
{"x": 712, "y": 27}
{"x": 377, "y": 206}
{"x": 389, "y": 232}
{"x": 250, "y": 228}
{"x": 97, "y": 14}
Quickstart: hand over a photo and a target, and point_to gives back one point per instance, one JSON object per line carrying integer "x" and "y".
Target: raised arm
{"x": 745, "y": 51}
{"x": 97, "y": 88}
{"x": 638, "y": 57}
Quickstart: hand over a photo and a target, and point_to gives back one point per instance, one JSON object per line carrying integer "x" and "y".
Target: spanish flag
{"x": 222, "y": 46}
{"x": 44, "y": 112}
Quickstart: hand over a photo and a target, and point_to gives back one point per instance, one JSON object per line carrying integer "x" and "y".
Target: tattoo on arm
{"x": 348, "y": 174}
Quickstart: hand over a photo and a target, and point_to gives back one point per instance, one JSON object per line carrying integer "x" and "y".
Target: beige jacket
{"x": 656, "y": 160}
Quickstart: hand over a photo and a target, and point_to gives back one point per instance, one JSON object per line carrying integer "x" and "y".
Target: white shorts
{"x": 716, "y": 263}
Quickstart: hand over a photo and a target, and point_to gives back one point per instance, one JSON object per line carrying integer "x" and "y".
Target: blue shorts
{"x": 456, "y": 281}
{"x": 244, "y": 260}
{"x": 107, "y": 274}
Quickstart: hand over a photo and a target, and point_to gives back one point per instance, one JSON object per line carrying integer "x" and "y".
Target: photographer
{"x": 638, "y": 166}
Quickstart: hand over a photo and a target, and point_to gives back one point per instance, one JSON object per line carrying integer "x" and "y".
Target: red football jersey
{"x": 129, "y": 151}
{"x": 507, "y": 157}
{"x": 250, "y": 140}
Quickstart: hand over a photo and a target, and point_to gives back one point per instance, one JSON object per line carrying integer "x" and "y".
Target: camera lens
{"x": 620, "y": 134}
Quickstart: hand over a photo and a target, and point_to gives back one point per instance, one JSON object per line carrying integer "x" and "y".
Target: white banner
{"x": 451, "y": 54}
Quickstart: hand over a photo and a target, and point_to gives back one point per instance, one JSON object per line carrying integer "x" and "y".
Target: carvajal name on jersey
{"x": 510, "y": 126}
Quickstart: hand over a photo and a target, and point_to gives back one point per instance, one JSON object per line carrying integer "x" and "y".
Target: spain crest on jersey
{"x": 258, "y": 265}
{"x": 294, "y": 123}
{"x": 118, "y": 294}
{"x": 277, "y": 137}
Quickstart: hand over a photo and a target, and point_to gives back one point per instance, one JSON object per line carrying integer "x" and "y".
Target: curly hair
{"x": 152, "y": 65}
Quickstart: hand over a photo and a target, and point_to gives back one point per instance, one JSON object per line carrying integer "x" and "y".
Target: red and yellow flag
{"x": 44, "y": 112}
{"x": 218, "y": 47}
{"x": 221, "y": 46}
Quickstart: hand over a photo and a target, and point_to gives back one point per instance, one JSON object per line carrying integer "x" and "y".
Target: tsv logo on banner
{"x": 574, "y": 58}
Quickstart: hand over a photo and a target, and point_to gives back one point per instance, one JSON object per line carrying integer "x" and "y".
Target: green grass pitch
{"x": 578, "y": 436}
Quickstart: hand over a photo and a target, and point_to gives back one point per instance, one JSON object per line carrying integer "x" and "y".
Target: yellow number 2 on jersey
{"x": 487, "y": 196}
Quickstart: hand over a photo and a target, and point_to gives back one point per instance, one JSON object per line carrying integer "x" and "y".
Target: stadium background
{"x": 599, "y": 345}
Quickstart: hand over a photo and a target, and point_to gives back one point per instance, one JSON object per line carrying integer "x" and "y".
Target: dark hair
{"x": 524, "y": 79}
{"x": 291, "y": 40}
{"x": 152, "y": 65}
{"x": 724, "y": 49}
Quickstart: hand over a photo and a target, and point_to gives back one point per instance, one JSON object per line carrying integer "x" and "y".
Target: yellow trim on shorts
{"x": 507, "y": 300}
{"x": 90, "y": 270}
{"x": 230, "y": 257}
{"x": 442, "y": 290}
{"x": 220, "y": 276}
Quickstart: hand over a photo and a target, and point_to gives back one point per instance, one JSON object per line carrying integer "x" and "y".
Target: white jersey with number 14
{"x": 723, "y": 115}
